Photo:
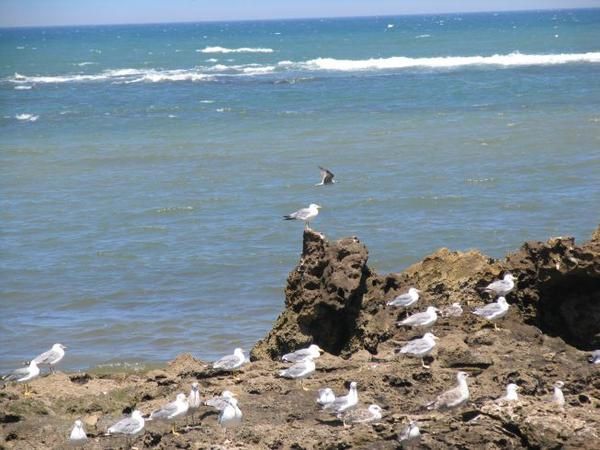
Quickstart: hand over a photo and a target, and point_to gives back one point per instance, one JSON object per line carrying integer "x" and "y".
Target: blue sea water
{"x": 145, "y": 169}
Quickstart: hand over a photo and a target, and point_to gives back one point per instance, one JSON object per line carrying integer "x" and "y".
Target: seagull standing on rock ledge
{"x": 51, "y": 357}
{"x": 501, "y": 287}
{"x": 305, "y": 214}
{"x": 454, "y": 397}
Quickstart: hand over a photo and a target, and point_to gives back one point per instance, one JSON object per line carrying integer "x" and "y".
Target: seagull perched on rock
{"x": 501, "y": 287}
{"x": 345, "y": 402}
{"x": 51, "y": 357}
{"x": 361, "y": 415}
{"x": 221, "y": 401}
{"x": 454, "y": 310}
{"x": 406, "y": 300}
{"x": 493, "y": 311}
{"x": 231, "y": 415}
{"x": 326, "y": 396}
{"x": 172, "y": 411}
{"x": 299, "y": 370}
{"x": 193, "y": 400}
{"x": 409, "y": 434}
{"x": 420, "y": 348}
{"x": 594, "y": 358}
{"x": 305, "y": 214}
{"x": 454, "y": 397}
{"x": 326, "y": 177}
{"x": 423, "y": 319}
{"x": 231, "y": 362}
{"x": 23, "y": 375}
{"x": 313, "y": 351}
{"x": 129, "y": 426}
{"x": 557, "y": 396}
{"x": 77, "y": 436}
{"x": 511, "y": 394}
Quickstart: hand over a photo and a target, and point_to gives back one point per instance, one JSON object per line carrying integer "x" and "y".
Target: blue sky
{"x": 84, "y": 12}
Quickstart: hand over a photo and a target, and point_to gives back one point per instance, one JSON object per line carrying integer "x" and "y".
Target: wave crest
{"x": 235, "y": 50}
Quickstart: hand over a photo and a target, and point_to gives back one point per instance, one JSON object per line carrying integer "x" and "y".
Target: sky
{"x": 14, "y": 13}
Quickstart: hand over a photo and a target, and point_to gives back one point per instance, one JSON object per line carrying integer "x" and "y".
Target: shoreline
{"x": 335, "y": 300}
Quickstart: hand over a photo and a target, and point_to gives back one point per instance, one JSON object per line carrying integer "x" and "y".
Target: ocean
{"x": 145, "y": 169}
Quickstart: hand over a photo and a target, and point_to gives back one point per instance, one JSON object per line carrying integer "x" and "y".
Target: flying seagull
{"x": 305, "y": 214}
{"x": 326, "y": 177}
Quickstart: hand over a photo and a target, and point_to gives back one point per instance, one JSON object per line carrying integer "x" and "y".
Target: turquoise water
{"x": 145, "y": 169}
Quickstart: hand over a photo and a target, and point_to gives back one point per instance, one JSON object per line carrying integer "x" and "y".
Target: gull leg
{"x": 495, "y": 326}
{"x": 27, "y": 392}
{"x": 302, "y": 385}
{"x": 425, "y": 366}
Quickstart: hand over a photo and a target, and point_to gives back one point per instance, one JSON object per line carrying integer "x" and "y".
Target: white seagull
{"x": 361, "y": 415}
{"x": 423, "y": 319}
{"x": 326, "y": 177}
{"x": 407, "y": 299}
{"x": 300, "y": 370}
{"x": 193, "y": 400}
{"x": 313, "y": 351}
{"x": 129, "y": 426}
{"x": 594, "y": 358}
{"x": 511, "y": 394}
{"x": 325, "y": 397}
{"x": 345, "y": 402}
{"x": 172, "y": 411}
{"x": 493, "y": 311}
{"x": 558, "y": 396}
{"x": 501, "y": 287}
{"x": 454, "y": 310}
{"x": 221, "y": 401}
{"x": 419, "y": 348}
{"x": 305, "y": 214}
{"x": 23, "y": 375}
{"x": 51, "y": 357}
{"x": 231, "y": 415}
{"x": 410, "y": 433}
{"x": 454, "y": 397}
{"x": 231, "y": 362}
{"x": 77, "y": 436}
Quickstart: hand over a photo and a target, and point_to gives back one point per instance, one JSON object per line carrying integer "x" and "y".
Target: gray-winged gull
{"x": 345, "y": 402}
{"x": 231, "y": 362}
{"x": 172, "y": 411}
{"x": 326, "y": 396}
{"x": 454, "y": 397}
{"x": 23, "y": 375}
{"x": 129, "y": 426}
{"x": 409, "y": 434}
{"x": 313, "y": 351}
{"x": 419, "y": 348}
{"x": 493, "y": 311}
{"x": 501, "y": 287}
{"x": 422, "y": 319}
{"x": 361, "y": 415}
{"x": 326, "y": 176}
{"x": 299, "y": 370}
{"x": 305, "y": 214}
{"x": 77, "y": 436}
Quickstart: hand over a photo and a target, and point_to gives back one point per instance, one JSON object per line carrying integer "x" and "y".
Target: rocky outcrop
{"x": 334, "y": 299}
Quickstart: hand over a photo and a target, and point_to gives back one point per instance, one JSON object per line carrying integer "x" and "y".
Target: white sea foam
{"x": 27, "y": 117}
{"x": 401, "y": 62}
{"x": 85, "y": 63}
{"x": 207, "y": 101}
{"x": 235, "y": 50}
{"x": 22, "y": 87}
{"x": 421, "y": 36}
{"x": 212, "y": 60}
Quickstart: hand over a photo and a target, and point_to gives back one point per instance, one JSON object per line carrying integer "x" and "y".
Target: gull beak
{"x": 436, "y": 338}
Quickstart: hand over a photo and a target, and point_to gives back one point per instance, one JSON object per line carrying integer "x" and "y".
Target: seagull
{"x": 129, "y": 426}
{"x": 420, "y": 348}
{"x": 300, "y": 370}
{"x": 231, "y": 362}
{"x": 410, "y": 433}
{"x": 361, "y": 415}
{"x": 172, "y": 411}
{"x": 313, "y": 351}
{"x": 558, "y": 396}
{"x": 423, "y": 319}
{"x": 326, "y": 177}
{"x": 23, "y": 375}
{"x": 220, "y": 402}
{"x": 454, "y": 310}
{"x": 77, "y": 436}
{"x": 406, "y": 300}
{"x": 325, "y": 397}
{"x": 231, "y": 415}
{"x": 511, "y": 394}
{"x": 594, "y": 358}
{"x": 193, "y": 400}
{"x": 345, "y": 402}
{"x": 51, "y": 357}
{"x": 454, "y": 397}
{"x": 493, "y": 311}
{"x": 501, "y": 287}
{"x": 305, "y": 214}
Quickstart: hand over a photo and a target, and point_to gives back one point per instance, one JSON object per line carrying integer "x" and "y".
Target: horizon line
{"x": 276, "y": 19}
